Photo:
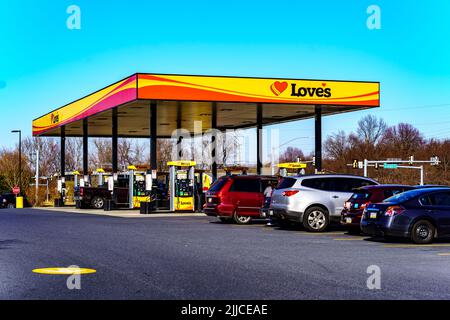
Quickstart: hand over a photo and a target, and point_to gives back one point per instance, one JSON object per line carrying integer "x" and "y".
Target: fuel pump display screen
{"x": 182, "y": 175}
{"x": 183, "y": 186}
{"x": 139, "y": 186}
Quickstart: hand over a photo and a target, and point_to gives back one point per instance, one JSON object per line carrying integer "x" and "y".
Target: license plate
{"x": 348, "y": 220}
{"x": 373, "y": 215}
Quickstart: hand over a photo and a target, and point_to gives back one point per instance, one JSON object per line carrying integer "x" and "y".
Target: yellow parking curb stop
{"x": 64, "y": 271}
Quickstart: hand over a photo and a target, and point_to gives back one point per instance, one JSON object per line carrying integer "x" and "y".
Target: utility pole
{"x": 421, "y": 175}
{"x": 366, "y": 162}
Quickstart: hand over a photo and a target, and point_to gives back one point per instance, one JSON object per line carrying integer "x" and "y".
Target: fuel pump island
{"x": 154, "y": 106}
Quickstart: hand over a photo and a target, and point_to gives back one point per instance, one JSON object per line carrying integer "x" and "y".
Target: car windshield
{"x": 405, "y": 196}
{"x": 361, "y": 195}
{"x": 216, "y": 186}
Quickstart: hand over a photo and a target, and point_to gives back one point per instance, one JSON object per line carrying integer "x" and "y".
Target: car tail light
{"x": 289, "y": 193}
{"x": 393, "y": 211}
{"x": 364, "y": 205}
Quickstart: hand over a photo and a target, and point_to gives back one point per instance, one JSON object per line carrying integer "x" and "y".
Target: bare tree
{"x": 9, "y": 170}
{"x": 403, "y": 139}
{"x": 336, "y": 145}
{"x": 101, "y": 154}
{"x": 164, "y": 152}
{"x": 371, "y": 129}
{"x": 291, "y": 154}
{"x": 74, "y": 154}
{"x": 230, "y": 146}
{"x": 49, "y": 154}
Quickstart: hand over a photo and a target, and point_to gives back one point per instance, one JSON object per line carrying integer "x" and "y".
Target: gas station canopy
{"x": 220, "y": 102}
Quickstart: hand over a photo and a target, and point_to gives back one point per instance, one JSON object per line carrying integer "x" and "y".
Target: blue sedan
{"x": 420, "y": 215}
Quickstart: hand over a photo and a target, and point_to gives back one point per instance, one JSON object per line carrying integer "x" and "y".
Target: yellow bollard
{"x": 19, "y": 202}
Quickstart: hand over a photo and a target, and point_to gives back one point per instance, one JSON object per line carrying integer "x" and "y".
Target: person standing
{"x": 267, "y": 198}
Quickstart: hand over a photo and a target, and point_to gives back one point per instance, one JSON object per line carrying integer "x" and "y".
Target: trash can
{"x": 58, "y": 202}
{"x": 19, "y": 202}
{"x": 146, "y": 207}
{"x": 109, "y": 205}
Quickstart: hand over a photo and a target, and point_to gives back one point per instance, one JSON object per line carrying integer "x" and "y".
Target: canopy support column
{"x": 63, "y": 153}
{"x": 318, "y": 137}
{"x": 259, "y": 120}
{"x": 85, "y": 147}
{"x": 114, "y": 141}
{"x": 180, "y": 136}
{"x": 214, "y": 141}
{"x": 153, "y": 135}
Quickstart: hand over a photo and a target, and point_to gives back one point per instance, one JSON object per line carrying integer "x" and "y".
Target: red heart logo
{"x": 323, "y": 84}
{"x": 278, "y": 87}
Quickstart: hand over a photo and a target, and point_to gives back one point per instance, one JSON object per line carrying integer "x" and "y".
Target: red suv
{"x": 237, "y": 197}
{"x": 354, "y": 207}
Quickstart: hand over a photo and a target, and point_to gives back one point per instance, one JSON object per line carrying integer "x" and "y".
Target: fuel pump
{"x": 203, "y": 181}
{"x": 100, "y": 174}
{"x": 181, "y": 185}
{"x": 77, "y": 183}
{"x": 61, "y": 188}
{"x": 140, "y": 187}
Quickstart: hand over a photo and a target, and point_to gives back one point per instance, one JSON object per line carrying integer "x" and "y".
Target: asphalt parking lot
{"x": 199, "y": 258}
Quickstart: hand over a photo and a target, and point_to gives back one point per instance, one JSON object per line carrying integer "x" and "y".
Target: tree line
{"x": 373, "y": 139}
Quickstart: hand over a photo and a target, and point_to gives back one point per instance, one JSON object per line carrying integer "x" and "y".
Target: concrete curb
{"x": 119, "y": 213}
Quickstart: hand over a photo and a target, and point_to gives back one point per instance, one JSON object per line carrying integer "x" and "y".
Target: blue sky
{"x": 44, "y": 65}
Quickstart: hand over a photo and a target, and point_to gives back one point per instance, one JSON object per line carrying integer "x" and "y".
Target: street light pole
{"x": 20, "y": 157}
{"x": 272, "y": 160}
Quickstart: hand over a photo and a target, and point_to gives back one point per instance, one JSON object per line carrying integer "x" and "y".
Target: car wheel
{"x": 98, "y": 202}
{"x": 423, "y": 232}
{"x": 11, "y": 206}
{"x": 241, "y": 219}
{"x": 315, "y": 219}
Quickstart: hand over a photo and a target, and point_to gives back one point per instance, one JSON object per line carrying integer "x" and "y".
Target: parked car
{"x": 8, "y": 200}
{"x": 354, "y": 207}
{"x": 314, "y": 200}
{"x": 420, "y": 215}
{"x": 237, "y": 197}
{"x": 91, "y": 197}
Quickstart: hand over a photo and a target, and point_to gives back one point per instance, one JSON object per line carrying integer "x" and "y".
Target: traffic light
{"x": 411, "y": 160}
{"x": 376, "y": 165}
{"x": 355, "y": 164}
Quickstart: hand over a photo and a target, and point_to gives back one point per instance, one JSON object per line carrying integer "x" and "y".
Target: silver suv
{"x": 313, "y": 200}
